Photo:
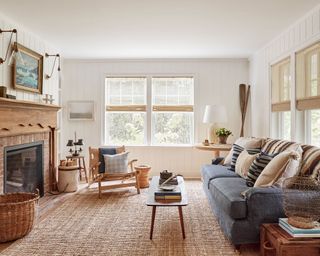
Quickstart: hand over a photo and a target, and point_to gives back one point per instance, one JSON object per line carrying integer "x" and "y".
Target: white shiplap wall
{"x": 29, "y": 40}
{"x": 216, "y": 82}
{"x": 302, "y": 33}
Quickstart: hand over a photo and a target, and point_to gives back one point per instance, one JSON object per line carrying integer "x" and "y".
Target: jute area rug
{"x": 119, "y": 224}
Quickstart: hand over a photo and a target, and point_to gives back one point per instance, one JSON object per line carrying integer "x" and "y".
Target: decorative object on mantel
{"x": 28, "y": 75}
{"x": 15, "y": 55}
{"x": 17, "y": 215}
{"x": 75, "y": 151}
{"x": 244, "y": 93}
{"x": 301, "y": 200}
{"x": 223, "y": 135}
{"x": 81, "y": 110}
{"x": 214, "y": 115}
{"x": 56, "y": 56}
{"x": 48, "y": 99}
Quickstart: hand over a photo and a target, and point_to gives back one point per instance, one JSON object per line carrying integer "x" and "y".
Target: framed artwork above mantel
{"x": 28, "y": 74}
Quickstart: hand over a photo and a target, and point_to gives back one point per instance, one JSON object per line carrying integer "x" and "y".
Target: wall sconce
{"x": 56, "y": 56}
{"x": 15, "y": 55}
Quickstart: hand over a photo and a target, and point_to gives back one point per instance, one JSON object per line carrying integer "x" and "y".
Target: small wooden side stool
{"x": 81, "y": 164}
{"x": 274, "y": 241}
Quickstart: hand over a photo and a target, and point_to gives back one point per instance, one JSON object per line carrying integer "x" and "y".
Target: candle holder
{"x": 75, "y": 146}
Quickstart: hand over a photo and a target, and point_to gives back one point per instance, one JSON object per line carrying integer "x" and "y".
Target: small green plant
{"x": 223, "y": 132}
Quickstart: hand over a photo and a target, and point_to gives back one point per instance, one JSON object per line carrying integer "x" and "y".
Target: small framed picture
{"x": 81, "y": 110}
{"x": 28, "y": 72}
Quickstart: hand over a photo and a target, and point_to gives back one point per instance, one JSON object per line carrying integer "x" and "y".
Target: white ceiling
{"x": 156, "y": 28}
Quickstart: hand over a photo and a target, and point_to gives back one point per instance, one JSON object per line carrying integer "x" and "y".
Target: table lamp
{"x": 214, "y": 115}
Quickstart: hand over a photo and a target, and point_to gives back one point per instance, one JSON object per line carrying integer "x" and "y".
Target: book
{"x": 298, "y": 232}
{"x": 168, "y": 197}
{"x": 175, "y": 192}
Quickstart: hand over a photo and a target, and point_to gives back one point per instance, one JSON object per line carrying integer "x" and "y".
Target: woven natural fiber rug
{"x": 119, "y": 224}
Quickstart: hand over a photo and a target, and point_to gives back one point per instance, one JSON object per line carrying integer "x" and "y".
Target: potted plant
{"x": 223, "y": 135}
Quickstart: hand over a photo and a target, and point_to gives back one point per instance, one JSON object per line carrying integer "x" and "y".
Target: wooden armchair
{"x": 128, "y": 179}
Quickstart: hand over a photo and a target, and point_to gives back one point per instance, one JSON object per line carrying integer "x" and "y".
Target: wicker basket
{"x": 17, "y": 215}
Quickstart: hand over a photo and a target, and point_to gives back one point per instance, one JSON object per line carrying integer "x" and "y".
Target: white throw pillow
{"x": 245, "y": 143}
{"x": 244, "y": 162}
{"x": 276, "y": 168}
{"x": 117, "y": 163}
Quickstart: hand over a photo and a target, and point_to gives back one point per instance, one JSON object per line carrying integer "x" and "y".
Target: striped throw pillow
{"x": 257, "y": 167}
{"x": 116, "y": 163}
{"x": 310, "y": 164}
{"x": 236, "y": 152}
{"x": 273, "y": 146}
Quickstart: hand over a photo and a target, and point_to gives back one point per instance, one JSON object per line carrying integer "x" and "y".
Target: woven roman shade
{"x": 308, "y": 77}
{"x": 280, "y": 86}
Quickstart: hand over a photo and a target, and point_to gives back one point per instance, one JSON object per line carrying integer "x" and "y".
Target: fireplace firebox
{"x": 23, "y": 168}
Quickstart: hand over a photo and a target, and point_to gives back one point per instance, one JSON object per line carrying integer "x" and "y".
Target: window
{"x": 172, "y": 110}
{"x": 281, "y": 86}
{"x": 165, "y": 118}
{"x": 126, "y": 110}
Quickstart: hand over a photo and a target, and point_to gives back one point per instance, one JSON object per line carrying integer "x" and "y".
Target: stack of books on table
{"x": 299, "y": 232}
{"x": 163, "y": 195}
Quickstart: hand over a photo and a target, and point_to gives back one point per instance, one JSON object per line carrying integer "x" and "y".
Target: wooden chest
{"x": 274, "y": 241}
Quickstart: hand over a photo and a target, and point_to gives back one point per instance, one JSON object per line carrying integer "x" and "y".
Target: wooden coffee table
{"x": 154, "y": 184}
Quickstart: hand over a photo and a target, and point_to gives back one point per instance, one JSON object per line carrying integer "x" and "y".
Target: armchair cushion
{"x": 117, "y": 163}
{"x": 108, "y": 151}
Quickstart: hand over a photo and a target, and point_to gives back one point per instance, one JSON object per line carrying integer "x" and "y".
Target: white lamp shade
{"x": 215, "y": 114}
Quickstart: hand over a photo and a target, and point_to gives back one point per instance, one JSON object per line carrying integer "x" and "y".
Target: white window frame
{"x": 148, "y": 124}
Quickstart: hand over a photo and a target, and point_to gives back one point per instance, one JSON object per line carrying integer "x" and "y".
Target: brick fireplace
{"x": 28, "y": 123}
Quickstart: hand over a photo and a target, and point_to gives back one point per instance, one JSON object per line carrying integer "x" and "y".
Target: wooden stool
{"x": 81, "y": 166}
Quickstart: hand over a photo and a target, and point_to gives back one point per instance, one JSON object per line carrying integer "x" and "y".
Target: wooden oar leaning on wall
{"x": 244, "y": 94}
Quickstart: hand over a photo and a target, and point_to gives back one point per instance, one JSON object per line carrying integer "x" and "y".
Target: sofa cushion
{"x": 274, "y": 146}
{"x": 310, "y": 164}
{"x": 226, "y": 193}
{"x": 210, "y": 172}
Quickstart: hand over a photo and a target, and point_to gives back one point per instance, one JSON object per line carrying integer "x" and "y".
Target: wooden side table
{"x": 81, "y": 165}
{"x": 215, "y": 148}
{"x": 275, "y": 241}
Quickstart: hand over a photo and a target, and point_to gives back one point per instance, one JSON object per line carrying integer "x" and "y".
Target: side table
{"x": 215, "y": 148}
{"x": 81, "y": 165}
{"x": 275, "y": 241}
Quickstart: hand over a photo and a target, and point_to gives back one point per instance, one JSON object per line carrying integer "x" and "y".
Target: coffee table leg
{"x": 181, "y": 221}
{"x": 152, "y": 220}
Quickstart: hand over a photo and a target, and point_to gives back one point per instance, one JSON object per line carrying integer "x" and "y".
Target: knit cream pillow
{"x": 275, "y": 169}
{"x": 244, "y": 162}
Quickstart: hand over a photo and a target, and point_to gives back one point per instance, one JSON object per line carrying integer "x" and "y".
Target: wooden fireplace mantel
{"x": 18, "y": 117}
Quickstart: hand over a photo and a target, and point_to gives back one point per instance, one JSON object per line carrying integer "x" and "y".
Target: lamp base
{"x": 213, "y": 138}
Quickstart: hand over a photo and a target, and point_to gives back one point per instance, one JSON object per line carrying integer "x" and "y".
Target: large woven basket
{"x": 17, "y": 215}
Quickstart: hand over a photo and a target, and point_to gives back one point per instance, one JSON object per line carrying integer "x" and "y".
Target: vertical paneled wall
{"x": 302, "y": 33}
{"x": 216, "y": 82}
{"x": 29, "y": 40}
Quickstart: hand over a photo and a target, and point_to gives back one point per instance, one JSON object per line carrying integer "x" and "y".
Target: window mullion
{"x": 149, "y": 111}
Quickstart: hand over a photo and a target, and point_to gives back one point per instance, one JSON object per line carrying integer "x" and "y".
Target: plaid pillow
{"x": 116, "y": 163}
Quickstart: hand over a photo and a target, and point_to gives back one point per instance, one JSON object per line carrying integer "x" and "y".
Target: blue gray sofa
{"x": 240, "y": 217}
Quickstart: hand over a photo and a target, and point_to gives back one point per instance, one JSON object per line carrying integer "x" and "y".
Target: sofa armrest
{"x": 265, "y": 205}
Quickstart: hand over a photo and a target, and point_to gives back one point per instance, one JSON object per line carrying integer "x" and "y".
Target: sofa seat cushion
{"x": 226, "y": 193}
{"x": 210, "y": 172}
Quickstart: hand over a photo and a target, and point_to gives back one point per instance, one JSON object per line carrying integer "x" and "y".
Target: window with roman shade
{"x": 172, "y": 110}
{"x": 280, "y": 86}
{"x": 308, "y": 78}
{"x": 126, "y": 106}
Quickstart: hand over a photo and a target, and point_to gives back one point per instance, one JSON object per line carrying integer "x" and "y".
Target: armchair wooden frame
{"x": 130, "y": 179}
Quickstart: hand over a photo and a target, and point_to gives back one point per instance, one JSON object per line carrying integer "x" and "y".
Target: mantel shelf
{"x": 10, "y": 103}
